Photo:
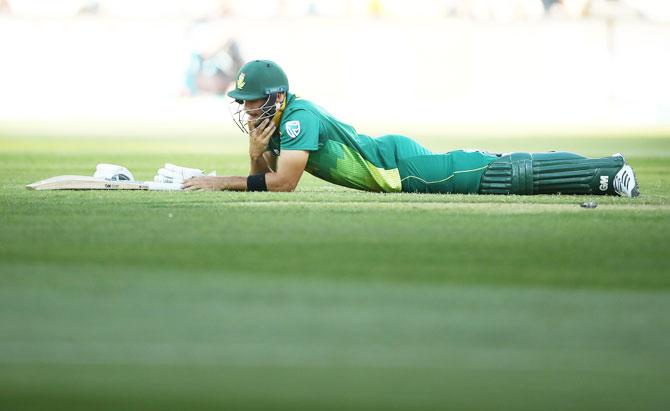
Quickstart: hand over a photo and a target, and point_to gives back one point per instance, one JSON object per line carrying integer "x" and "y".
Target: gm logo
{"x": 604, "y": 182}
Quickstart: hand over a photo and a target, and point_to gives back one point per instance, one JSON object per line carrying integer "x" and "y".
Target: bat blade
{"x": 69, "y": 182}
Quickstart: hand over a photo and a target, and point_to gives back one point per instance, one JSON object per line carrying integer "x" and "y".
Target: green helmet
{"x": 259, "y": 79}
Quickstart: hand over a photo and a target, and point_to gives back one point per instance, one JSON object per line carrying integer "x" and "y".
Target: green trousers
{"x": 478, "y": 172}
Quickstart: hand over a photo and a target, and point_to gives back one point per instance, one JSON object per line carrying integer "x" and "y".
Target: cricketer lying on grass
{"x": 289, "y": 135}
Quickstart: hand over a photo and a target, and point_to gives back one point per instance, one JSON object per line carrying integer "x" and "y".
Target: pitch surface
{"x": 328, "y": 298}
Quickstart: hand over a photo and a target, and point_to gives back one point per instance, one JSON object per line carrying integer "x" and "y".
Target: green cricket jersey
{"x": 395, "y": 163}
{"x": 337, "y": 153}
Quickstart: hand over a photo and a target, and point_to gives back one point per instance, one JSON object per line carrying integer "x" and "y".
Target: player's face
{"x": 252, "y": 112}
{"x": 253, "y": 108}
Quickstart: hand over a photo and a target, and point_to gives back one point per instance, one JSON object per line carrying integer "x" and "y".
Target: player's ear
{"x": 280, "y": 97}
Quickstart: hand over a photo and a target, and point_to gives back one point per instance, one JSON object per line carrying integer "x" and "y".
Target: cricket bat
{"x": 92, "y": 183}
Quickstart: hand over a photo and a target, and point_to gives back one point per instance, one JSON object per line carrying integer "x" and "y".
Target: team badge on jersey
{"x": 293, "y": 128}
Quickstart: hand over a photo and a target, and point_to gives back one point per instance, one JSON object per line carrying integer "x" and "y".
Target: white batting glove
{"x": 113, "y": 172}
{"x": 171, "y": 173}
{"x": 185, "y": 172}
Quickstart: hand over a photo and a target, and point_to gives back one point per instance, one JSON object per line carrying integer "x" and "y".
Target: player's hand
{"x": 259, "y": 137}
{"x": 211, "y": 183}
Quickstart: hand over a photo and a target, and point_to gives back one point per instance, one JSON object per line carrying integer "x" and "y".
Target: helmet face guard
{"x": 241, "y": 117}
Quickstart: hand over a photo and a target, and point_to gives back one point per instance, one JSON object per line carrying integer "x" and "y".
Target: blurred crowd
{"x": 477, "y": 10}
{"x": 214, "y": 55}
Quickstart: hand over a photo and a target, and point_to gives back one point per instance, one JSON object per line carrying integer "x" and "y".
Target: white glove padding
{"x": 113, "y": 172}
{"x": 184, "y": 172}
{"x": 176, "y": 174}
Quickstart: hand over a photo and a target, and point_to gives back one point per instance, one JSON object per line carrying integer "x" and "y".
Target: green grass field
{"x": 328, "y": 298}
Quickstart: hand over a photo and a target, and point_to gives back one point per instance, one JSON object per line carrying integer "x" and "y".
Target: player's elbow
{"x": 284, "y": 187}
{"x": 282, "y": 181}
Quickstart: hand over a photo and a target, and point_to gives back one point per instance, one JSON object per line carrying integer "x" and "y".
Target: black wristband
{"x": 256, "y": 182}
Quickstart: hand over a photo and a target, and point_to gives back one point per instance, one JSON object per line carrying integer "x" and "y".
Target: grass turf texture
{"x": 327, "y": 298}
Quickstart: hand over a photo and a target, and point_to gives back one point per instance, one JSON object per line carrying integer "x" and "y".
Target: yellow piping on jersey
{"x": 444, "y": 179}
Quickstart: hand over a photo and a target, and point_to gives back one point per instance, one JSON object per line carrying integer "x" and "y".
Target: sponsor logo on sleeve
{"x": 293, "y": 128}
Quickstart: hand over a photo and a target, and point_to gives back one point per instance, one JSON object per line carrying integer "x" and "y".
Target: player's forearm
{"x": 258, "y": 165}
{"x": 263, "y": 182}
{"x": 266, "y": 163}
{"x": 273, "y": 182}
{"x": 271, "y": 161}
{"x": 232, "y": 183}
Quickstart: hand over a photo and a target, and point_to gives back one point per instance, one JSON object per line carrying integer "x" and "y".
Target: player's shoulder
{"x": 299, "y": 118}
{"x": 300, "y": 106}
{"x": 298, "y": 112}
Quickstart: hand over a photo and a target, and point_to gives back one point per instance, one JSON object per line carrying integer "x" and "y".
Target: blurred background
{"x": 87, "y": 65}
